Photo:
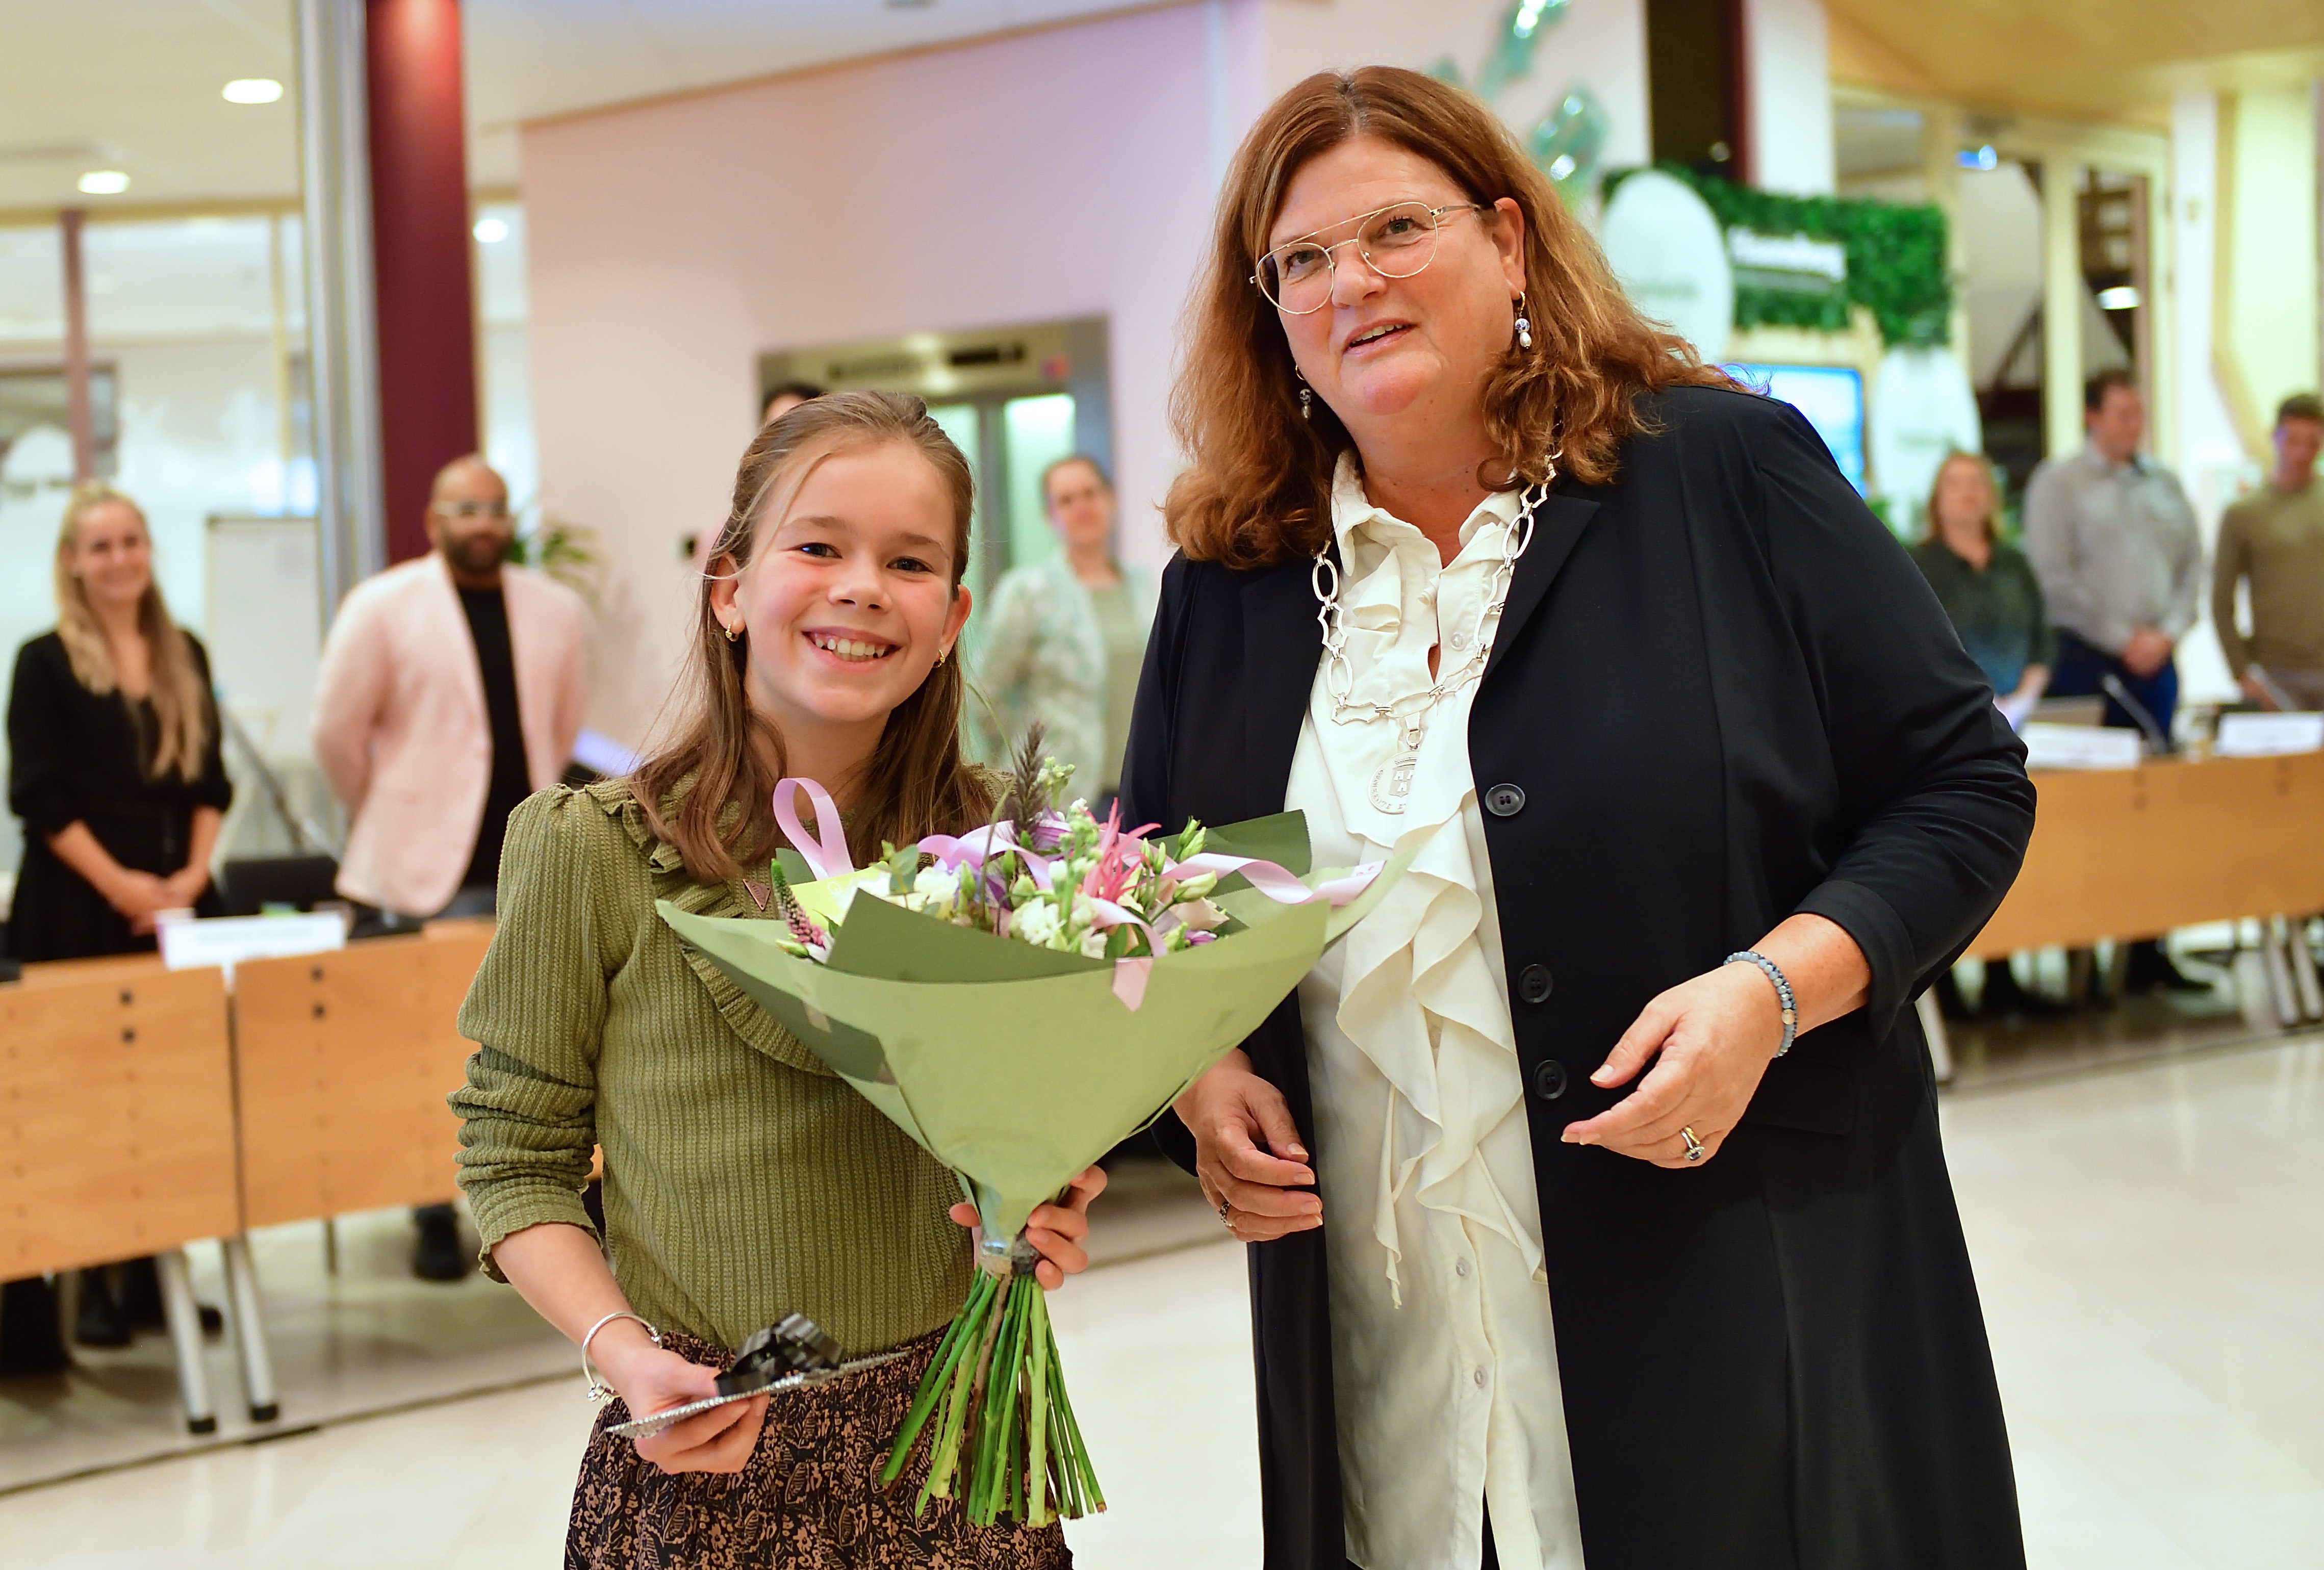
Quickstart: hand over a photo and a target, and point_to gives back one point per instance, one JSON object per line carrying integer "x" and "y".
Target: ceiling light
{"x": 104, "y": 182}
{"x": 1978, "y": 157}
{"x": 2122, "y": 297}
{"x": 253, "y": 91}
{"x": 491, "y": 231}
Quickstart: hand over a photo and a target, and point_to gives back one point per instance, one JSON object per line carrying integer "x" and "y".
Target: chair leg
{"x": 250, "y": 1332}
{"x": 1940, "y": 1046}
{"x": 185, "y": 1320}
{"x": 2303, "y": 967}
{"x": 2273, "y": 944}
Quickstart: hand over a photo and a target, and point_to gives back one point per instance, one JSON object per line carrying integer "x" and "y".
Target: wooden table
{"x": 344, "y": 1060}
{"x": 2133, "y": 853}
{"x": 143, "y": 1108}
{"x": 117, "y": 1141}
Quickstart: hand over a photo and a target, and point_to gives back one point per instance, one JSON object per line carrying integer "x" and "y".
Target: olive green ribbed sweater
{"x": 743, "y": 1180}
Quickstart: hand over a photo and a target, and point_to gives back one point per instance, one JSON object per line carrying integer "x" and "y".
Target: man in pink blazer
{"x": 451, "y": 688}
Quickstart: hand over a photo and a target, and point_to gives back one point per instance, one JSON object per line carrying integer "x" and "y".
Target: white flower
{"x": 1036, "y": 924}
{"x": 1093, "y": 942}
{"x": 1199, "y": 915}
{"x": 937, "y": 887}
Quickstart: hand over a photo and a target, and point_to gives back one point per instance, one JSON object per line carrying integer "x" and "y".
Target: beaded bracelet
{"x": 1783, "y": 992}
{"x": 599, "y": 1391}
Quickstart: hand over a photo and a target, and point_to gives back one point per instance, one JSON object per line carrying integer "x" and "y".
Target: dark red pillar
{"x": 419, "y": 256}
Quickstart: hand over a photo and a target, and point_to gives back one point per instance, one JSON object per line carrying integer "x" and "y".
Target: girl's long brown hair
{"x": 916, "y": 782}
{"x": 1256, "y": 491}
{"x": 179, "y": 698}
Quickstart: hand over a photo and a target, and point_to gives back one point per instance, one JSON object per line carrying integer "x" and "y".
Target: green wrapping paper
{"x": 1018, "y": 1066}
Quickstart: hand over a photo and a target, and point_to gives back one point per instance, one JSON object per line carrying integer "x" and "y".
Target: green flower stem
{"x": 992, "y": 1409}
{"x": 932, "y": 1384}
{"x": 1036, "y": 1416}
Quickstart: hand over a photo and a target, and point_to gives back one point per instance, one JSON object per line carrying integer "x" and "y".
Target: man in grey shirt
{"x": 2114, "y": 544}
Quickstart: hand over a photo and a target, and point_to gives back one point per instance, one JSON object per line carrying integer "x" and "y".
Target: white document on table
{"x": 224, "y": 941}
{"x": 2268, "y": 735}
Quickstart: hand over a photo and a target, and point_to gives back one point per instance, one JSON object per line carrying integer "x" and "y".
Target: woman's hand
{"x": 186, "y": 884}
{"x": 1056, "y": 1229}
{"x": 1711, "y": 1040}
{"x": 140, "y": 897}
{"x": 651, "y": 1379}
{"x": 1229, "y": 1110}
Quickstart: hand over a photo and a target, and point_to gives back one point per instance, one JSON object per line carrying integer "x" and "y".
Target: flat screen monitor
{"x": 1832, "y": 399}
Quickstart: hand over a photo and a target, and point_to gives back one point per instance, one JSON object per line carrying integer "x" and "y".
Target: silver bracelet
{"x": 1783, "y": 992}
{"x": 599, "y": 1391}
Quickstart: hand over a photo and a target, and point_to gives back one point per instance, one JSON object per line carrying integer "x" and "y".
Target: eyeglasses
{"x": 470, "y": 508}
{"x": 1396, "y": 242}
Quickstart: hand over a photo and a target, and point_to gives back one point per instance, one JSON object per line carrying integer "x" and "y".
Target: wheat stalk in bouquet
{"x": 1020, "y": 1000}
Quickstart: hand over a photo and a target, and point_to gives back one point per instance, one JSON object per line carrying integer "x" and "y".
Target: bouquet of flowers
{"x": 1018, "y": 1000}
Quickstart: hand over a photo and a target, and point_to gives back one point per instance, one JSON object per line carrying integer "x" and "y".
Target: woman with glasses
{"x": 1067, "y": 635}
{"x": 1594, "y": 1182}
{"x": 113, "y": 765}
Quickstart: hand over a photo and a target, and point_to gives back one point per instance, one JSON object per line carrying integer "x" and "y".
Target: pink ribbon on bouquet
{"x": 1278, "y": 883}
{"x": 826, "y": 850}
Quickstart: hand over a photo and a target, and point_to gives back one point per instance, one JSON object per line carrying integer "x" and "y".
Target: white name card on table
{"x": 2268, "y": 735}
{"x": 223, "y": 940}
{"x": 2080, "y": 746}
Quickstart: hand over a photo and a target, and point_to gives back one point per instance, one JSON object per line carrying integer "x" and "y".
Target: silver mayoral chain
{"x": 1391, "y": 786}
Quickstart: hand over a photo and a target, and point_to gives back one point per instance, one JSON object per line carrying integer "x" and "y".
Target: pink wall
{"x": 1058, "y": 173}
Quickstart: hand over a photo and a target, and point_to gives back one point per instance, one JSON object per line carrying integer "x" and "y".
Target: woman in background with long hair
{"x": 113, "y": 765}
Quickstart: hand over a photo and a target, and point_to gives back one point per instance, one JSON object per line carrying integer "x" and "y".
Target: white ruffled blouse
{"x": 1444, "y": 1354}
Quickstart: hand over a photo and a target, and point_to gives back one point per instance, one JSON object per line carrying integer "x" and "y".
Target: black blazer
{"x": 1722, "y": 694}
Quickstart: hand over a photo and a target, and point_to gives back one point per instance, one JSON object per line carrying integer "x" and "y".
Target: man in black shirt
{"x": 450, "y": 690}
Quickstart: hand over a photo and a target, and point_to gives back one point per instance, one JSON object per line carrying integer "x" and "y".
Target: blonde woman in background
{"x": 1990, "y": 593}
{"x": 1068, "y": 634}
{"x": 1986, "y": 586}
{"x": 114, "y": 767}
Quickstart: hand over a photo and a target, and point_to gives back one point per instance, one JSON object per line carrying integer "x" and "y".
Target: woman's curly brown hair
{"x": 1256, "y": 491}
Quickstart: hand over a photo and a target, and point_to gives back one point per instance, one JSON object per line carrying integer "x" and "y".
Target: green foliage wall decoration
{"x": 1896, "y": 259}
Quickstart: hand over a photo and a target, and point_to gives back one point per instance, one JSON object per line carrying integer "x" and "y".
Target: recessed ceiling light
{"x": 491, "y": 231}
{"x": 253, "y": 91}
{"x": 104, "y": 182}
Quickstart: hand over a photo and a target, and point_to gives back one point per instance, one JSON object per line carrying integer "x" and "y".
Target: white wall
{"x": 1787, "y": 64}
{"x": 1058, "y": 173}
{"x": 2212, "y": 462}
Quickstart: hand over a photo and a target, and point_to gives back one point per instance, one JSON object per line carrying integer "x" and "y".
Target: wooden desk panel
{"x": 2135, "y": 853}
{"x": 344, "y": 1060}
{"x": 116, "y": 1115}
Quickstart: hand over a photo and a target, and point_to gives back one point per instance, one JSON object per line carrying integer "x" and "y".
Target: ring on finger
{"x": 1223, "y": 1208}
{"x": 1694, "y": 1150}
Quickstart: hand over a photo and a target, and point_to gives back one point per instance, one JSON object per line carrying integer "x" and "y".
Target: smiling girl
{"x": 744, "y": 1181}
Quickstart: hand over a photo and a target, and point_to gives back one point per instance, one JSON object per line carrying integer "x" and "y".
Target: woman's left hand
{"x": 187, "y": 884}
{"x": 1710, "y": 1039}
{"x": 1056, "y": 1229}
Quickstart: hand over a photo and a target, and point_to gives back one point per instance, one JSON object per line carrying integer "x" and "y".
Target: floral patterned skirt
{"x": 808, "y": 1499}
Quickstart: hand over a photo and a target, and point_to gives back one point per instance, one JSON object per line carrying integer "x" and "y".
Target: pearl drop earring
{"x": 1524, "y": 327}
{"x": 1306, "y": 403}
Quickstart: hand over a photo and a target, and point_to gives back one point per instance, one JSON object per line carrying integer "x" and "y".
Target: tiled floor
{"x": 2149, "y": 1240}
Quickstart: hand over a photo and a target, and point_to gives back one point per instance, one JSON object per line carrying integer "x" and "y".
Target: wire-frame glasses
{"x": 1395, "y": 241}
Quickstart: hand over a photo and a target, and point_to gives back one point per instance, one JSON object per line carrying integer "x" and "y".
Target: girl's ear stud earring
{"x": 734, "y": 632}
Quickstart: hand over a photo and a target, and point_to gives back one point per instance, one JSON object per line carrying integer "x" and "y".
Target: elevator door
{"x": 1008, "y": 442}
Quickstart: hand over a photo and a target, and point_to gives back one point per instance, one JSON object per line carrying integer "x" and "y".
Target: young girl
{"x": 743, "y": 1180}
